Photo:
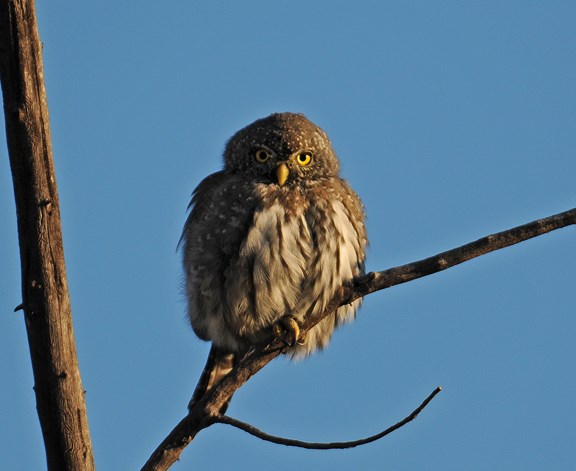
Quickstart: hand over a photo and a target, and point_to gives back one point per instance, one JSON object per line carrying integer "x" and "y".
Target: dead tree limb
{"x": 45, "y": 300}
{"x": 206, "y": 411}
{"x": 224, "y": 419}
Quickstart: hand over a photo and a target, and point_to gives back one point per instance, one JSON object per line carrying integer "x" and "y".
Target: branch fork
{"x": 206, "y": 411}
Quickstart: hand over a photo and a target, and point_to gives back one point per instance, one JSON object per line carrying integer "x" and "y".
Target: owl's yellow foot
{"x": 287, "y": 330}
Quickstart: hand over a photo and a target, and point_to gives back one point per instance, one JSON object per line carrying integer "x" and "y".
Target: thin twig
{"x": 224, "y": 419}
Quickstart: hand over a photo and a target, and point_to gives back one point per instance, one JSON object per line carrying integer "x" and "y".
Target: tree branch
{"x": 206, "y": 410}
{"x": 411, "y": 271}
{"x": 223, "y": 419}
{"x": 58, "y": 387}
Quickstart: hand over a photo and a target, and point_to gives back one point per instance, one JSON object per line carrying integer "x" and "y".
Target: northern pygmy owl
{"x": 269, "y": 240}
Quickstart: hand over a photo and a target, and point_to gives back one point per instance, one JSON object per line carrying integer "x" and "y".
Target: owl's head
{"x": 282, "y": 148}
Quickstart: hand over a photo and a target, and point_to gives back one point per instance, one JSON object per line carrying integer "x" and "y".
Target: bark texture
{"x": 45, "y": 300}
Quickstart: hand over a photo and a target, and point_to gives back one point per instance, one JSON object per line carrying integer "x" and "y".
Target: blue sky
{"x": 452, "y": 120}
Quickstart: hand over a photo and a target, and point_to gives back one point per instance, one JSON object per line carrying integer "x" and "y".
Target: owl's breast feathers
{"x": 255, "y": 252}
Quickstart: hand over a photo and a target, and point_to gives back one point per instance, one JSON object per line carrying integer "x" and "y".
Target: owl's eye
{"x": 304, "y": 158}
{"x": 261, "y": 155}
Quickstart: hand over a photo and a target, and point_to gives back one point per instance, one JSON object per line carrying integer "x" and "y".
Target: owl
{"x": 269, "y": 241}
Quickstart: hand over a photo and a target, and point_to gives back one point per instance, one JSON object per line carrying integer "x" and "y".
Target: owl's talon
{"x": 288, "y": 330}
{"x": 302, "y": 340}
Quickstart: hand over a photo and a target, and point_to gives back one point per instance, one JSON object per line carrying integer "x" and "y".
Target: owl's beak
{"x": 282, "y": 173}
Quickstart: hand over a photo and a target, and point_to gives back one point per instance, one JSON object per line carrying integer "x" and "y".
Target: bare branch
{"x": 206, "y": 410}
{"x": 45, "y": 300}
{"x": 325, "y": 446}
{"x": 411, "y": 271}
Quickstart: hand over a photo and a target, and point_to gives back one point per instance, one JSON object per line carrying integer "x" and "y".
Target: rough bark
{"x": 45, "y": 300}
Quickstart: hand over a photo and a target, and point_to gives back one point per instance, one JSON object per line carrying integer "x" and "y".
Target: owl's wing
{"x": 205, "y": 187}
{"x": 200, "y": 197}
{"x": 218, "y": 365}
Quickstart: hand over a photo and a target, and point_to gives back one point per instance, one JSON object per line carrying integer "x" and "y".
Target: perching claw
{"x": 287, "y": 330}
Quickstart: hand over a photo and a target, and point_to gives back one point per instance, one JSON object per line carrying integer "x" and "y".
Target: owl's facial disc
{"x": 259, "y": 149}
{"x": 282, "y": 173}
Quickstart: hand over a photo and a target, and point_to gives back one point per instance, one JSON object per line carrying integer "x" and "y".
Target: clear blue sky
{"x": 452, "y": 120}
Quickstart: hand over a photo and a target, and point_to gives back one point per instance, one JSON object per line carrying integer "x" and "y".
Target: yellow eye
{"x": 261, "y": 155}
{"x": 304, "y": 158}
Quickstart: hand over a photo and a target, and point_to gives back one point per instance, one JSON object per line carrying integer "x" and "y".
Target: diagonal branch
{"x": 224, "y": 419}
{"x": 206, "y": 411}
{"x": 411, "y": 271}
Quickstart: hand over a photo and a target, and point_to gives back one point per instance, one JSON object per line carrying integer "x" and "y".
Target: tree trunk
{"x": 45, "y": 300}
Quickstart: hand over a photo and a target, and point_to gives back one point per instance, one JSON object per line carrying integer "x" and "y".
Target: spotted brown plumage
{"x": 270, "y": 237}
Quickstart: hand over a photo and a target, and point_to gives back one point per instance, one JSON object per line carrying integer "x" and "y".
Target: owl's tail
{"x": 218, "y": 365}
